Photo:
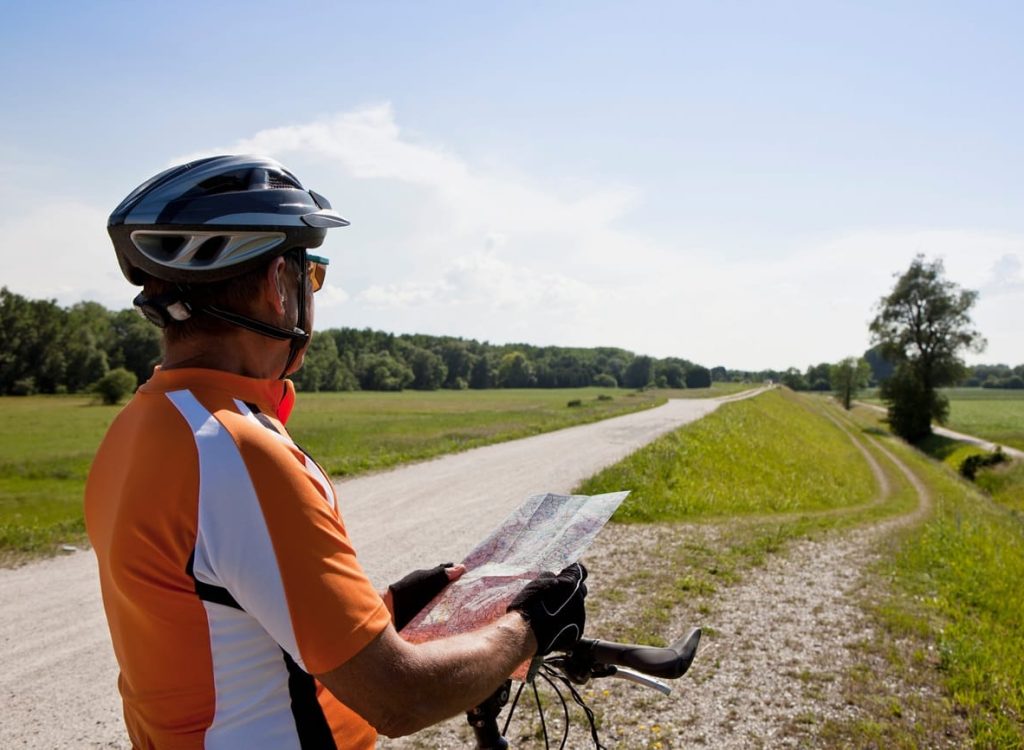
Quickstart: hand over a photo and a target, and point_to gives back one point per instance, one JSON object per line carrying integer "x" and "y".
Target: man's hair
{"x": 235, "y": 294}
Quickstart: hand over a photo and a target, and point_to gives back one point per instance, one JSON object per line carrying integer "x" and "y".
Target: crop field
{"x": 47, "y": 442}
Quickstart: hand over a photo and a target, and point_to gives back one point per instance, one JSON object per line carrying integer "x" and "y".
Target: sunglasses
{"x": 316, "y": 268}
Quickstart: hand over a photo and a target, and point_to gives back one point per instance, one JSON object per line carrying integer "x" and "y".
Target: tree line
{"x": 820, "y": 377}
{"x": 47, "y": 348}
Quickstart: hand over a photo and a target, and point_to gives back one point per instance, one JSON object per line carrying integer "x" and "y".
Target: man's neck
{"x": 240, "y": 352}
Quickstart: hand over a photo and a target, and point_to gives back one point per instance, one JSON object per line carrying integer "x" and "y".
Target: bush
{"x": 23, "y": 386}
{"x": 575, "y": 402}
{"x": 115, "y": 385}
{"x": 604, "y": 380}
{"x": 971, "y": 464}
{"x": 604, "y": 397}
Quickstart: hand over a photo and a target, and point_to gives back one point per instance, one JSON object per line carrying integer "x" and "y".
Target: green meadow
{"x": 47, "y": 442}
{"x": 996, "y": 415}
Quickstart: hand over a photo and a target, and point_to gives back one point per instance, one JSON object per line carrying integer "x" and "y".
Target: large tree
{"x": 922, "y": 327}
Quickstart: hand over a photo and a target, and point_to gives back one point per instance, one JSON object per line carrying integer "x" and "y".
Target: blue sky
{"x": 732, "y": 182}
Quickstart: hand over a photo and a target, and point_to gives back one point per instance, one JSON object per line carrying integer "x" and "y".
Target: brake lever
{"x": 625, "y": 673}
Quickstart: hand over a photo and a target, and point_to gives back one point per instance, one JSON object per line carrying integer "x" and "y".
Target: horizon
{"x": 724, "y": 183}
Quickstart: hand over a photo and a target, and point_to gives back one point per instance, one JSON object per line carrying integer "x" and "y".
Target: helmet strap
{"x": 298, "y": 343}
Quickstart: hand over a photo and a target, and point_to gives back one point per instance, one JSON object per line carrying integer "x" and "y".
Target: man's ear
{"x": 274, "y": 288}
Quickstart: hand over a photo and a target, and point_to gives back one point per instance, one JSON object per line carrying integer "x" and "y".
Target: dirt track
{"x": 58, "y": 681}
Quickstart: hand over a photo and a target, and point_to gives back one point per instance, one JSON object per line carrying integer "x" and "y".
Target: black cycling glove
{"x": 414, "y": 592}
{"x": 553, "y": 605}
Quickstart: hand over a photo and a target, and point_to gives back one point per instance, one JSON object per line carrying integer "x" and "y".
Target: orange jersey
{"x": 228, "y": 577}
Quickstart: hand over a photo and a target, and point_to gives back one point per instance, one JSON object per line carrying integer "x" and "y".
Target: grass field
{"x": 995, "y": 415}
{"x": 356, "y": 432}
{"x": 47, "y": 442}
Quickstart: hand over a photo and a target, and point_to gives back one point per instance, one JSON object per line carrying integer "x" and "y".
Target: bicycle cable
{"x": 591, "y": 718}
{"x": 540, "y": 711}
{"x": 565, "y": 710}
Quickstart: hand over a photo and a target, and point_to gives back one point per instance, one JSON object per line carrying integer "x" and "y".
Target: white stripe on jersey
{"x": 253, "y": 705}
{"x": 233, "y": 547}
{"x": 311, "y": 466}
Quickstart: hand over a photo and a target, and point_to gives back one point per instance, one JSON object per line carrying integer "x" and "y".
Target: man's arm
{"x": 400, "y": 687}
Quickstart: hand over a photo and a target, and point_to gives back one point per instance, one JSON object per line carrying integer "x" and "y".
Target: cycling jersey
{"x": 228, "y": 577}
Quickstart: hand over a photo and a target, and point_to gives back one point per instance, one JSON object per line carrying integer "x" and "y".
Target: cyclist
{"x": 238, "y": 610}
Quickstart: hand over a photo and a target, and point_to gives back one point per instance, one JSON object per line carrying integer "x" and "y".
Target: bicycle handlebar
{"x": 598, "y": 658}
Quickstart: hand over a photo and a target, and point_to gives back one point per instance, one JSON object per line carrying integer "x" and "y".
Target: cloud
{"x": 62, "y": 251}
{"x": 1006, "y": 276}
{"x": 330, "y": 296}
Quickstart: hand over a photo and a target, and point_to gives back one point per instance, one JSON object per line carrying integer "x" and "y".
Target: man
{"x": 239, "y": 614}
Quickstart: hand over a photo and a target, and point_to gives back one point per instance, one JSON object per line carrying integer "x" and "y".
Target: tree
{"x": 382, "y": 372}
{"x": 847, "y": 377}
{"x": 135, "y": 344}
{"x": 794, "y": 379}
{"x": 673, "y": 373}
{"x": 922, "y": 326}
{"x": 515, "y": 371}
{"x": 698, "y": 377}
{"x": 818, "y": 377}
{"x": 321, "y": 368}
{"x": 428, "y": 370}
{"x": 639, "y": 373}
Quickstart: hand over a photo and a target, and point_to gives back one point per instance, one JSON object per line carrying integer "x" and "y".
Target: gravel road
{"x": 58, "y": 680}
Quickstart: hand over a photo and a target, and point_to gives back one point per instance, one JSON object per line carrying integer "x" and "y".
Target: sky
{"x": 736, "y": 183}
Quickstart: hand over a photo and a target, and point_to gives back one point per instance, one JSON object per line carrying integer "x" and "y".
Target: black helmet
{"x": 216, "y": 218}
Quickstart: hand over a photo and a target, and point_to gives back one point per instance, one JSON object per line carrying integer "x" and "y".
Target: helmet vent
{"x": 278, "y": 181}
{"x": 210, "y": 249}
{"x": 222, "y": 183}
{"x": 164, "y": 247}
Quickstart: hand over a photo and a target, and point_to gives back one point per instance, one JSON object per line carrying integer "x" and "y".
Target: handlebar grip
{"x": 668, "y": 663}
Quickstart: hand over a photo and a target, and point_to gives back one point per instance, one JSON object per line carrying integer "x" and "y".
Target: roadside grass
{"x": 771, "y": 454}
{"x": 47, "y": 442}
{"x": 952, "y": 612}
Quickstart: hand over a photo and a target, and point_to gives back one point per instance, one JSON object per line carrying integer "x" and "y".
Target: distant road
{"x": 58, "y": 675}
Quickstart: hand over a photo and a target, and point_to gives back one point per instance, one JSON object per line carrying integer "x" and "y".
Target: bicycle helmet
{"x": 211, "y": 220}
{"x": 215, "y": 218}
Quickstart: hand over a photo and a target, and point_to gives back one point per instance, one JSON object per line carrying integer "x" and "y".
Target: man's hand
{"x": 405, "y": 598}
{"x": 553, "y": 605}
